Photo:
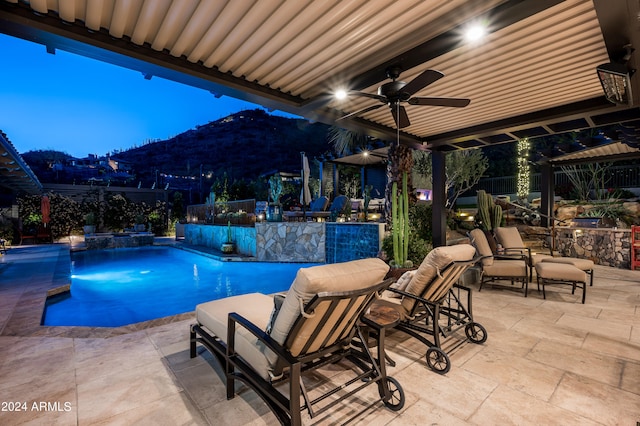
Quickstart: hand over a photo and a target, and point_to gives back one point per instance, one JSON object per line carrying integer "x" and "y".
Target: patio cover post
{"x": 321, "y": 192}
{"x": 439, "y": 203}
{"x": 547, "y": 194}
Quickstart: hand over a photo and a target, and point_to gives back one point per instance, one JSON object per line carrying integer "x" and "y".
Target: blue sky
{"x": 82, "y": 106}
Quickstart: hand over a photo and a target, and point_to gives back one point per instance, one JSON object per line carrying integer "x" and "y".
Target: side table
{"x": 377, "y": 320}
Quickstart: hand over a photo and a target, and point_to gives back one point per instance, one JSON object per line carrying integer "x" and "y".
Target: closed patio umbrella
{"x": 305, "y": 192}
{"x": 45, "y": 208}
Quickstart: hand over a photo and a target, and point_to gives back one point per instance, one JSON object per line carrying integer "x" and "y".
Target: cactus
{"x": 496, "y": 216}
{"x": 229, "y": 236}
{"x": 489, "y": 214}
{"x": 400, "y": 222}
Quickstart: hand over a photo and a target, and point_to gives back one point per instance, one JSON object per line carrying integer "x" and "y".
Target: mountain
{"x": 244, "y": 145}
{"x": 240, "y": 147}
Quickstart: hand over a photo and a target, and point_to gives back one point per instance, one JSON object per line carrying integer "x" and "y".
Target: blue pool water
{"x": 111, "y": 288}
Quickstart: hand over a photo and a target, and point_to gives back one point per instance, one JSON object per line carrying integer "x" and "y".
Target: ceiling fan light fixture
{"x": 616, "y": 83}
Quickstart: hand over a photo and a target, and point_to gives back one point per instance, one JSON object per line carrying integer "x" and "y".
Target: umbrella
{"x": 305, "y": 193}
{"x": 45, "y": 207}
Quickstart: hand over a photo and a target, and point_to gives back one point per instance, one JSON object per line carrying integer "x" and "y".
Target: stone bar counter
{"x": 314, "y": 242}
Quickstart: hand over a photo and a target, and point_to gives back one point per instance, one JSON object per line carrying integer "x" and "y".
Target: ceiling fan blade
{"x": 423, "y": 80}
{"x": 446, "y": 102}
{"x": 368, "y": 95}
{"x": 400, "y": 116}
{"x": 361, "y": 111}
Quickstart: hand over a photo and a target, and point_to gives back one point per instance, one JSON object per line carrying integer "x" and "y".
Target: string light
{"x": 524, "y": 173}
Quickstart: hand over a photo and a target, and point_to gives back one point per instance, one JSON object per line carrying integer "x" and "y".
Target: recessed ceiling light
{"x": 340, "y": 94}
{"x": 475, "y": 33}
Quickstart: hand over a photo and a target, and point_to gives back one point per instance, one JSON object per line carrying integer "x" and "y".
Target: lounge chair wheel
{"x": 396, "y": 401}
{"x": 437, "y": 360}
{"x": 475, "y": 332}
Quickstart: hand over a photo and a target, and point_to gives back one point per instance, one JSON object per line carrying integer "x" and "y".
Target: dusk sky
{"x": 82, "y": 106}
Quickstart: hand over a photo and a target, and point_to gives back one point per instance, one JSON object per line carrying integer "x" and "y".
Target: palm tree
{"x": 346, "y": 142}
{"x": 399, "y": 161}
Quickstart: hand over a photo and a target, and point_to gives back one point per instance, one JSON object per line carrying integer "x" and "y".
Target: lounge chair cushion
{"x": 346, "y": 276}
{"x": 401, "y": 284}
{"x": 319, "y": 204}
{"x": 506, "y": 268}
{"x": 560, "y": 272}
{"x": 509, "y": 237}
{"x": 436, "y": 260}
{"x": 582, "y": 264}
{"x": 256, "y": 308}
{"x": 479, "y": 239}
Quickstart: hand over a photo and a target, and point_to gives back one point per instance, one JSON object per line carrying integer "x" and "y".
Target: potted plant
{"x": 90, "y": 223}
{"x": 228, "y": 246}
{"x": 274, "y": 209}
{"x": 139, "y": 226}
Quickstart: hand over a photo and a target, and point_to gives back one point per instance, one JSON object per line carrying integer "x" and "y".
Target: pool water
{"x": 111, "y": 288}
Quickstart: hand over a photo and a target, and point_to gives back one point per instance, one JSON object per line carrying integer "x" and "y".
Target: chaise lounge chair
{"x": 512, "y": 243}
{"x": 338, "y": 205}
{"x": 513, "y": 268}
{"x": 432, "y": 305}
{"x": 318, "y": 205}
{"x": 263, "y": 345}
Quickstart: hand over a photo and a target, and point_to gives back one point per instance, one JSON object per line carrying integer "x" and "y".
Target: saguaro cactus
{"x": 489, "y": 214}
{"x": 400, "y": 222}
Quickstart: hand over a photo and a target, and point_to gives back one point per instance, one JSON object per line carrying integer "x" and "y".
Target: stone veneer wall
{"x": 353, "y": 240}
{"x": 604, "y": 246}
{"x": 290, "y": 241}
{"x": 98, "y": 242}
{"x": 313, "y": 242}
{"x": 214, "y": 235}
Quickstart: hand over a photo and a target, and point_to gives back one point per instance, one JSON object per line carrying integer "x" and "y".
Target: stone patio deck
{"x": 551, "y": 361}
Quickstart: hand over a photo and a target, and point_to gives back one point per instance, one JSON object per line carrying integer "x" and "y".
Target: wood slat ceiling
{"x": 534, "y": 71}
{"x": 15, "y": 174}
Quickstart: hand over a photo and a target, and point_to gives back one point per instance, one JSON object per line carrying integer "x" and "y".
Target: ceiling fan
{"x": 396, "y": 92}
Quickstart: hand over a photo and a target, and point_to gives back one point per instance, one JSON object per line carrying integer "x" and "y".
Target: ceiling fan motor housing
{"x": 393, "y": 91}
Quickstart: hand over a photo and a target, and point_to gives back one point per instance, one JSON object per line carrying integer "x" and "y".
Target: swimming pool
{"x": 111, "y": 288}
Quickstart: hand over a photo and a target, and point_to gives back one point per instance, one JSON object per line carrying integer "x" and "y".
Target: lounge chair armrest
{"x": 522, "y": 257}
{"x": 517, "y": 250}
{"x": 268, "y": 341}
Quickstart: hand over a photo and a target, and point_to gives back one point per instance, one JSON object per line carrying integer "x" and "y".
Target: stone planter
{"x": 89, "y": 229}
{"x": 139, "y": 227}
{"x": 227, "y": 248}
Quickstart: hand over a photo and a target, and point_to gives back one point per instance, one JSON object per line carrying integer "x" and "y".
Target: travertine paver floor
{"x": 545, "y": 362}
